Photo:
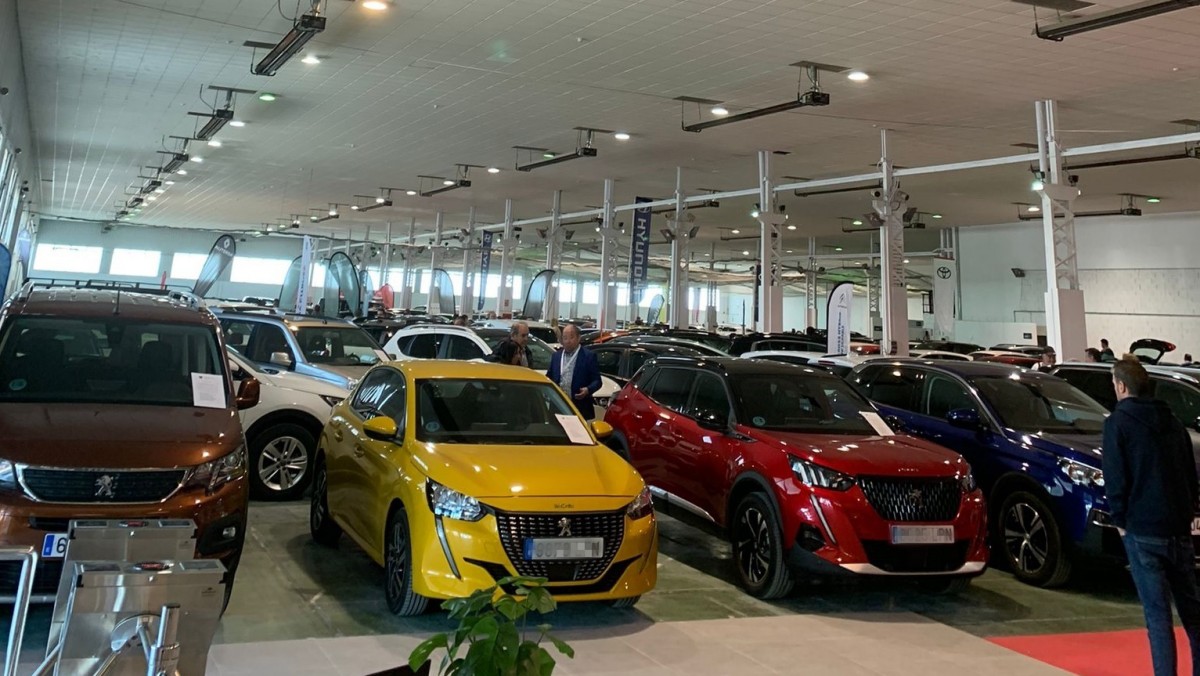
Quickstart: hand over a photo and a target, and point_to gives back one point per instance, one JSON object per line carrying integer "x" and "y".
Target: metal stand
{"x": 28, "y": 558}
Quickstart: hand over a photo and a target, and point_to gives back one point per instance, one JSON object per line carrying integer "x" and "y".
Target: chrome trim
{"x": 674, "y": 500}
{"x": 868, "y": 569}
{"x": 20, "y": 470}
{"x": 821, "y": 515}
{"x": 441, "y": 533}
{"x": 1097, "y": 517}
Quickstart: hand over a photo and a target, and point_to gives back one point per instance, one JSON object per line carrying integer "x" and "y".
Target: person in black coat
{"x": 1150, "y": 480}
{"x": 575, "y": 370}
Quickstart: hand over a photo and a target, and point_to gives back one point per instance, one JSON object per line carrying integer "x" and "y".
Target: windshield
{"x": 110, "y": 360}
{"x": 455, "y": 411}
{"x": 337, "y": 345}
{"x": 544, "y": 333}
{"x": 1034, "y": 405}
{"x": 794, "y": 403}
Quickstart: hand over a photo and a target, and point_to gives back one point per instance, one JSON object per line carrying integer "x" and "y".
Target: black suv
{"x": 758, "y": 342}
{"x": 621, "y": 360}
{"x": 1178, "y": 390}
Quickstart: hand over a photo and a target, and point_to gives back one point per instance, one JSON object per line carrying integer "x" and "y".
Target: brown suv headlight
{"x": 216, "y": 473}
{"x": 8, "y": 475}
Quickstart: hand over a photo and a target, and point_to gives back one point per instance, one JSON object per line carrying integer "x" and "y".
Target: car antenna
{"x": 117, "y": 309}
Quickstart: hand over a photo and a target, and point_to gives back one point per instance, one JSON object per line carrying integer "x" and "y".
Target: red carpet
{"x": 1108, "y": 653}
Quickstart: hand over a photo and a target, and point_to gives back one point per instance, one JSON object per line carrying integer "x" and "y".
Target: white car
{"x": 283, "y": 428}
{"x": 446, "y": 341}
{"x": 540, "y": 330}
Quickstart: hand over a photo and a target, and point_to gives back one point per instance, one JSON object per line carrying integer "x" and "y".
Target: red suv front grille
{"x": 898, "y": 499}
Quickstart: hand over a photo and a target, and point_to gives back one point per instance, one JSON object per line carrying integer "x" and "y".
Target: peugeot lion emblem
{"x": 105, "y": 486}
{"x": 916, "y": 497}
{"x": 564, "y": 527}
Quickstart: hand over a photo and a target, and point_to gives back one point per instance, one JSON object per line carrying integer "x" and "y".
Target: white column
{"x": 507, "y": 255}
{"x": 770, "y": 293}
{"x": 385, "y": 256}
{"x": 810, "y": 285}
{"x": 1066, "y": 330}
{"x": 468, "y": 273}
{"x": 554, "y": 239}
{"x": 608, "y": 248}
{"x": 406, "y": 286}
{"x": 434, "y": 249}
{"x": 889, "y": 210}
{"x": 677, "y": 290}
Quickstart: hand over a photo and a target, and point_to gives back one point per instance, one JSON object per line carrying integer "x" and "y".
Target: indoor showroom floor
{"x": 298, "y": 608}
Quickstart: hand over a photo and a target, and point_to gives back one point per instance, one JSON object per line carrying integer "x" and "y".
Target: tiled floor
{"x": 290, "y": 590}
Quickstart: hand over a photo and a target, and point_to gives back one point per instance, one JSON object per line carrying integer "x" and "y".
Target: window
{"x": 709, "y": 399}
{"x": 1183, "y": 401}
{"x": 566, "y": 291}
{"x": 820, "y": 405}
{"x": 591, "y": 293}
{"x": 1096, "y": 384}
{"x": 894, "y": 387}
{"x": 424, "y": 346}
{"x": 637, "y": 358}
{"x": 337, "y": 345}
{"x": 944, "y": 395}
{"x": 609, "y": 361}
{"x": 381, "y": 394}
{"x": 247, "y": 270}
{"x": 187, "y": 265}
{"x": 67, "y": 258}
{"x": 672, "y": 387}
{"x": 134, "y": 263}
{"x": 1041, "y": 404}
{"x": 463, "y": 348}
{"x": 256, "y": 340}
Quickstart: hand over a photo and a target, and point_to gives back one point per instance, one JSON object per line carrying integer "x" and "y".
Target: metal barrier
{"x": 29, "y": 558}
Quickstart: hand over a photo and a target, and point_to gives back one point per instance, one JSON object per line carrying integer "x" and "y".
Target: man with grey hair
{"x": 512, "y": 350}
{"x": 575, "y": 370}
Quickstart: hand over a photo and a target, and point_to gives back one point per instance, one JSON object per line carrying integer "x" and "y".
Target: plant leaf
{"x": 562, "y": 646}
{"x": 420, "y": 654}
{"x": 509, "y": 607}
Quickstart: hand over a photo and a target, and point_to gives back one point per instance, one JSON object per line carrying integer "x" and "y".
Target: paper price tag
{"x": 876, "y": 422}
{"x": 208, "y": 390}
{"x": 574, "y": 428}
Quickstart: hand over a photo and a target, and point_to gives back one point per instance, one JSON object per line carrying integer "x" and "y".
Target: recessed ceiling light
{"x": 791, "y": 227}
{"x": 380, "y": 199}
{"x": 745, "y": 253}
{"x": 151, "y": 198}
{"x": 159, "y": 191}
{"x": 857, "y": 76}
{"x": 237, "y": 123}
{"x": 493, "y": 170}
{"x": 597, "y": 229}
{"x": 214, "y": 143}
{"x": 789, "y": 251}
{"x": 333, "y": 211}
{"x": 169, "y": 182}
{"x": 856, "y": 222}
{"x": 937, "y": 215}
{"x": 181, "y": 172}
{"x": 707, "y": 254}
{"x": 837, "y": 248}
{"x": 754, "y": 213}
{"x": 311, "y": 60}
{"x": 1033, "y": 208}
{"x": 621, "y": 136}
{"x": 720, "y": 111}
{"x": 447, "y": 181}
{"x": 197, "y": 159}
{"x": 548, "y": 155}
{"x": 312, "y": 218}
{"x": 1037, "y": 185}
{"x": 376, "y": 5}
{"x": 353, "y": 207}
{"x": 266, "y": 96}
{"x": 1153, "y": 200}
{"x": 410, "y": 193}
{"x": 906, "y": 261}
{"x": 735, "y": 231}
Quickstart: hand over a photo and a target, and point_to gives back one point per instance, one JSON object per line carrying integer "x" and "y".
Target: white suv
{"x": 443, "y": 341}
{"x": 282, "y": 430}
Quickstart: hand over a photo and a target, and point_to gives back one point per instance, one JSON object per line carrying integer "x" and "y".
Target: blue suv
{"x": 1033, "y": 441}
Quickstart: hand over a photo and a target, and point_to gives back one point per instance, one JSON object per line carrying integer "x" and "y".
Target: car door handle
{"x": 335, "y": 431}
{"x": 359, "y": 450}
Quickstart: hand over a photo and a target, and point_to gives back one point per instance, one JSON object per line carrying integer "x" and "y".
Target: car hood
{"x": 496, "y": 471}
{"x": 897, "y": 455}
{"x": 302, "y": 383}
{"x": 116, "y": 436}
{"x": 1081, "y": 447}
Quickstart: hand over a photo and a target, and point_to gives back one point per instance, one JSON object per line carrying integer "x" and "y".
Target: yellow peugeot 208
{"x": 452, "y": 475}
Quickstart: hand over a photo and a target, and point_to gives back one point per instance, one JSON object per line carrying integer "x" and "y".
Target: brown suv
{"x": 116, "y": 403}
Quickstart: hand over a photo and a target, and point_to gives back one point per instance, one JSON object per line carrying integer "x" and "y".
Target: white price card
{"x": 876, "y": 422}
{"x": 574, "y": 428}
{"x": 208, "y": 390}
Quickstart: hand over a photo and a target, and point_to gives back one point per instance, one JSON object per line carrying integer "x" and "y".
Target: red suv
{"x": 800, "y": 473}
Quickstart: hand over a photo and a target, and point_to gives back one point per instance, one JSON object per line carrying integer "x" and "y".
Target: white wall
{"x": 1138, "y": 275}
{"x": 14, "y": 106}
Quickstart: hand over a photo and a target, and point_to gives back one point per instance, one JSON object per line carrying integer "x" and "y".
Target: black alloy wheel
{"x": 758, "y": 548}
{"x": 397, "y": 559}
{"x": 1031, "y": 541}
{"x": 321, "y": 525}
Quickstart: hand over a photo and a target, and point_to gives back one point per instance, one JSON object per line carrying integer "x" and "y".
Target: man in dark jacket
{"x": 512, "y": 351}
{"x": 1150, "y": 481}
{"x": 575, "y": 370}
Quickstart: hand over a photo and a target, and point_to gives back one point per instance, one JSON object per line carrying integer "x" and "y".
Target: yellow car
{"x": 452, "y": 475}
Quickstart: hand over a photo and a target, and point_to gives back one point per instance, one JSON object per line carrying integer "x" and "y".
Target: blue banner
{"x": 485, "y": 262}
{"x": 5, "y": 268}
{"x": 639, "y": 256}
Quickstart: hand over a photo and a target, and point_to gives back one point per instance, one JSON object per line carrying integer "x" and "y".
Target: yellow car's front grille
{"x": 516, "y": 527}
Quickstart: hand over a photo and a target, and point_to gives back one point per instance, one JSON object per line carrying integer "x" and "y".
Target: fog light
{"x": 229, "y": 533}
{"x": 810, "y": 538}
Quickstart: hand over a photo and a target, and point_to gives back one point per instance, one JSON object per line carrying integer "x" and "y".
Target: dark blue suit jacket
{"x": 586, "y": 374}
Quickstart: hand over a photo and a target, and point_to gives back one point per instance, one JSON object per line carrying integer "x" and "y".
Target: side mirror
{"x": 965, "y": 418}
{"x": 601, "y": 429}
{"x": 281, "y": 359}
{"x": 247, "y": 394}
{"x": 381, "y": 428}
{"x": 713, "y": 420}
{"x": 393, "y": 356}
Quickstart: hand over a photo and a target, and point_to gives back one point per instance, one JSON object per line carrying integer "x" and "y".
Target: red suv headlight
{"x": 812, "y": 474}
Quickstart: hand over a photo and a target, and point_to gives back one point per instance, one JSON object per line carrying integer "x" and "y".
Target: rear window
{"x": 107, "y": 360}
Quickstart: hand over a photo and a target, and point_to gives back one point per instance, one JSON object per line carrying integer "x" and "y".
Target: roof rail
{"x": 177, "y": 293}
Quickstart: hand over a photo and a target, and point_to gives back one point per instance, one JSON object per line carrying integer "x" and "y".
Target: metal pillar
{"x": 507, "y": 254}
{"x": 1066, "y": 329}
{"x": 433, "y": 262}
{"x": 554, "y": 239}
{"x": 577, "y": 298}
{"x": 608, "y": 261}
{"x": 678, "y": 279}
{"x": 889, "y": 216}
{"x": 385, "y": 257}
{"x": 469, "y": 272}
{"x": 770, "y": 250}
{"x": 810, "y": 286}
{"x": 406, "y": 284}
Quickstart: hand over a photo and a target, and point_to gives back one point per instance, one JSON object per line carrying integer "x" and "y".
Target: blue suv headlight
{"x": 1081, "y": 474}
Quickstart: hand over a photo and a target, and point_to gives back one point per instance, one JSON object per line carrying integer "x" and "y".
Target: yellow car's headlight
{"x": 450, "y": 503}
{"x": 642, "y": 505}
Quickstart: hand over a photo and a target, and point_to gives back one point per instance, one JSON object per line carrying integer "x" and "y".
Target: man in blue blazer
{"x": 575, "y": 370}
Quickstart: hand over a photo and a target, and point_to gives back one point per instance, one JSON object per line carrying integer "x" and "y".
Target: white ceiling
{"x": 432, "y": 83}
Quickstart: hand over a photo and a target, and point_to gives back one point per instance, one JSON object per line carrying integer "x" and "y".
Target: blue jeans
{"x": 1164, "y": 568}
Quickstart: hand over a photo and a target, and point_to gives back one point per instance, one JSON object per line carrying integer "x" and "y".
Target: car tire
{"x": 944, "y": 586}
{"x": 627, "y": 602}
{"x": 321, "y": 525}
{"x": 281, "y": 462}
{"x": 757, "y": 540}
{"x": 397, "y": 568}
{"x": 1030, "y": 541}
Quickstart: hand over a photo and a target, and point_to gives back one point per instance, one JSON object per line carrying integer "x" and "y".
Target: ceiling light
{"x": 936, "y": 216}
{"x": 380, "y": 200}
{"x": 182, "y": 172}
{"x": 375, "y": 5}
{"x": 410, "y": 193}
{"x": 791, "y": 227}
{"x": 736, "y": 231}
{"x": 1033, "y": 208}
{"x": 447, "y": 181}
{"x": 159, "y": 191}
{"x": 745, "y": 253}
{"x": 621, "y": 136}
{"x": 707, "y": 254}
{"x": 856, "y": 222}
{"x": 310, "y": 60}
{"x": 857, "y": 76}
{"x": 493, "y": 170}
{"x": 151, "y": 198}
{"x": 214, "y": 143}
{"x": 169, "y": 182}
{"x": 719, "y": 111}
{"x": 789, "y": 251}
{"x": 197, "y": 159}
{"x": 837, "y": 248}
{"x": 754, "y": 213}
{"x": 333, "y": 211}
{"x": 906, "y": 261}
{"x": 1037, "y": 184}
{"x": 313, "y": 218}
{"x": 1153, "y": 200}
{"x": 548, "y": 155}
{"x": 266, "y": 96}
{"x": 237, "y": 123}
{"x": 353, "y": 207}
{"x": 304, "y": 28}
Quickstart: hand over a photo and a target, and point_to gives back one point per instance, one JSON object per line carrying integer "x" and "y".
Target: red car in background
{"x": 798, "y": 471}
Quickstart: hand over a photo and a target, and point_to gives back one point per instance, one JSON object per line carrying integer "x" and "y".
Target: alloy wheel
{"x": 753, "y": 538}
{"x": 282, "y": 463}
{"x": 1026, "y": 539}
{"x": 319, "y": 505}
{"x": 397, "y": 566}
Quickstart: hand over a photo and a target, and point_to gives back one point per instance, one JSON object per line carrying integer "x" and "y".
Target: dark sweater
{"x": 1149, "y": 470}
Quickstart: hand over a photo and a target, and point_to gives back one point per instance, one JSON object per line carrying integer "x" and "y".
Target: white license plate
{"x": 922, "y": 535}
{"x": 54, "y": 545}
{"x": 551, "y": 549}
{"x": 1196, "y": 526}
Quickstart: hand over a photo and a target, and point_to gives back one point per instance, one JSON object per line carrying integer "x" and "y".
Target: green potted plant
{"x": 492, "y": 638}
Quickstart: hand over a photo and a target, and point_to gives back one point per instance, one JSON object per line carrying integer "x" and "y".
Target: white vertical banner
{"x": 944, "y": 285}
{"x": 837, "y": 318}
{"x": 306, "y": 260}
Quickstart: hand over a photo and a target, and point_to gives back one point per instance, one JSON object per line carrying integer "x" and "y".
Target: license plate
{"x": 551, "y": 549}
{"x": 922, "y": 535}
{"x": 54, "y": 545}
{"x": 1196, "y": 526}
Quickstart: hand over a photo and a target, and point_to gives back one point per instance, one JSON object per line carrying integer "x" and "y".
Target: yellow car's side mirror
{"x": 601, "y": 429}
{"x": 382, "y": 428}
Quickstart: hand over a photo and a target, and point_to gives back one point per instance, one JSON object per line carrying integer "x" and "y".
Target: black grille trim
{"x": 916, "y": 558}
{"x": 907, "y": 500}
{"x": 515, "y": 527}
{"x": 604, "y": 584}
{"x": 48, "y": 484}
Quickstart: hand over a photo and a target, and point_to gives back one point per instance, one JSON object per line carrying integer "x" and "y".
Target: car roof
{"x": 290, "y": 319}
{"x": 1173, "y": 372}
{"x": 966, "y": 369}
{"x": 737, "y": 366}
{"x": 434, "y": 328}
{"x": 476, "y": 370}
{"x": 165, "y": 306}
{"x": 647, "y": 345}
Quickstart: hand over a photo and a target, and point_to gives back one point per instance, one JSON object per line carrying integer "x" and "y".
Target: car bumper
{"x": 462, "y": 557}
{"x": 840, "y": 534}
{"x": 1102, "y": 539}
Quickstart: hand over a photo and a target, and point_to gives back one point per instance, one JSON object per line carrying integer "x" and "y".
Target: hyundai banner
{"x": 485, "y": 262}
{"x": 837, "y": 318}
{"x": 223, "y": 251}
{"x": 943, "y": 298}
{"x": 639, "y": 256}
